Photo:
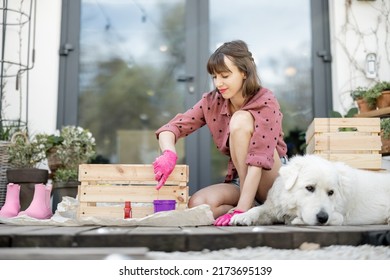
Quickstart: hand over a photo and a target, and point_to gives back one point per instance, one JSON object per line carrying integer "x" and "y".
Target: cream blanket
{"x": 66, "y": 215}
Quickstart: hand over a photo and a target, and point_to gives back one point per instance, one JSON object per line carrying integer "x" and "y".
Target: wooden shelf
{"x": 383, "y": 112}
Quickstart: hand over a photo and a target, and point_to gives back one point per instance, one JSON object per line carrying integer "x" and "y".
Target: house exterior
{"x": 355, "y": 37}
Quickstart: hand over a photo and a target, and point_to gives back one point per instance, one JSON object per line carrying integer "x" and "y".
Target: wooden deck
{"x": 91, "y": 242}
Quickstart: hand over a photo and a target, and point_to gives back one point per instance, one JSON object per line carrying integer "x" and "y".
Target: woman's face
{"x": 229, "y": 83}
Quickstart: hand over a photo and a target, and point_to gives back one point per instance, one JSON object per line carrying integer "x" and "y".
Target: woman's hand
{"x": 163, "y": 167}
{"x": 224, "y": 220}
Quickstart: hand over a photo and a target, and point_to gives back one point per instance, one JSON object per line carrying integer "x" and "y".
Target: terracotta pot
{"x": 363, "y": 106}
{"x": 27, "y": 178}
{"x": 383, "y": 101}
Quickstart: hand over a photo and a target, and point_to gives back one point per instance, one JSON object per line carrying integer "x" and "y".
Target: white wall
{"x": 43, "y": 77}
{"x": 356, "y": 30}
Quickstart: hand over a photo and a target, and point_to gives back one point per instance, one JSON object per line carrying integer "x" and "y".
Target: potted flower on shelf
{"x": 69, "y": 147}
{"x": 385, "y": 135}
{"x": 382, "y": 90}
{"x": 371, "y": 96}
{"x": 24, "y": 157}
{"x": 358, "y": 95}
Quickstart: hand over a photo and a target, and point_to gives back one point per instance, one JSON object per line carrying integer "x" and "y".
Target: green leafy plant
{"x": 5, "y": 133}
{"x": 53, "y": 140}
{"x": 372, "y": 94}
{"x": 350, "y": 114}
{"x": 385, "y": 127}
{"x": 72, "y": 145}
{"x": 381, "y": 86}
{"x": 65, "y": 175}
{"x": 10, "y": 127}
{"x": 25, "y": 153}
{"x": 358, "y": 93}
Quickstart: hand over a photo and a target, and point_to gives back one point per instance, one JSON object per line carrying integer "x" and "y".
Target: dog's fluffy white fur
{"x": 313, "y": 191}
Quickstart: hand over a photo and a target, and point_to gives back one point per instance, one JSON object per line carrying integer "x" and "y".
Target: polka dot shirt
{"x": 212, "y": 110}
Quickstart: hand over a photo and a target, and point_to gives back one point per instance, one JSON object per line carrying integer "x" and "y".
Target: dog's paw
{"x": 297, "y": 222}
{"x": 244, "y": 219}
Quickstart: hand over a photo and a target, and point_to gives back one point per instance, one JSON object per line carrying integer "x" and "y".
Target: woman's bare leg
{"x": 241, "y": 131}
{"x": 220, "y": 197}
{"x": 268, "y": 178}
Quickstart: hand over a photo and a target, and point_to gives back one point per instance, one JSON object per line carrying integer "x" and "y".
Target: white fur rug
{"x": 308, "y": 252}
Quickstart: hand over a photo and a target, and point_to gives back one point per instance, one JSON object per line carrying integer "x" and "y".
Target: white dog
{"x": 313, "y": 191}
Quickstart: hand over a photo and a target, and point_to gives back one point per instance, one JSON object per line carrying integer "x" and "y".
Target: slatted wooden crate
{"x": 355, "y": 141}
{"x": 105, "y": 189}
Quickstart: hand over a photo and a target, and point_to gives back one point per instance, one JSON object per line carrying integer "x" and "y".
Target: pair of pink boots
{"x": 39, "y": 208}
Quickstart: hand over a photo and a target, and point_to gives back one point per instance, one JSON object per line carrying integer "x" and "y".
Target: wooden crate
{"x": 355, "y": 141}
{"x": 105, "y": 189}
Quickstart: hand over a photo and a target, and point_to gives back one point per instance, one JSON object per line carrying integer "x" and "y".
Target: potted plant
{"x": 385, "y": 135}
{"x": 371, "y": 96}
{"x": 71, "y": 146}
{"x": 358, "y": 96}
{"x": 24, "y": 157}
{"x": 382, "y": 89}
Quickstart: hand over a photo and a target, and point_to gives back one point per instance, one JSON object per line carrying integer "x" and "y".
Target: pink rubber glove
{"x": 163, "y": 167}
{"x": 224, "y": 220}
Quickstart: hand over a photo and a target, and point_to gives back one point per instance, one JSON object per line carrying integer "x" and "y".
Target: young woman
{"x": 246, "y": 125}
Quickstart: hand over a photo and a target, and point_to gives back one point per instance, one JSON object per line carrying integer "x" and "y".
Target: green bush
{"x": 385, "y": 127}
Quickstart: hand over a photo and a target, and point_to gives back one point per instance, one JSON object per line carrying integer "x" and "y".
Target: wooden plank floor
{"x": 95, "y": 241}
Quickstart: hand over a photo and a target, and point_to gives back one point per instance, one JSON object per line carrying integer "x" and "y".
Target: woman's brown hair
{"x": 237, "y": 51}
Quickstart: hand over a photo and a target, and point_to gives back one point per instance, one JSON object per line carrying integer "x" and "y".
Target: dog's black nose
{"x": 322, "y": 217}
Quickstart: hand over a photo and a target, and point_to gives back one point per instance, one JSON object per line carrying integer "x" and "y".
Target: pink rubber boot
{"x": 40, "y": 207}
{"x": 11, "y": 206}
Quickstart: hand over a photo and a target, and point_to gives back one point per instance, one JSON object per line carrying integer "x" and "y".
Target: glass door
{"x": 131, "y": 55}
